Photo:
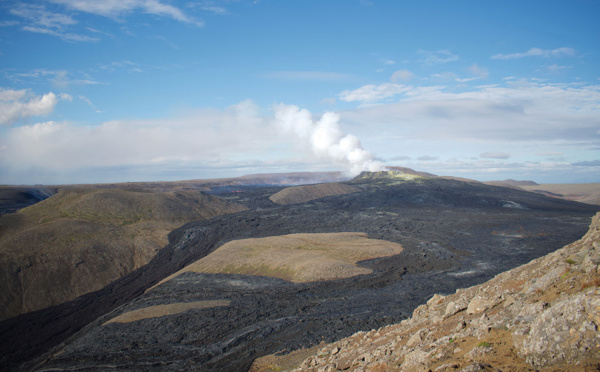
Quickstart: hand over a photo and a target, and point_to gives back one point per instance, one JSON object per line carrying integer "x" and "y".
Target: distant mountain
{"x": 582, "y": 192}
{"x": 509, "y": 183}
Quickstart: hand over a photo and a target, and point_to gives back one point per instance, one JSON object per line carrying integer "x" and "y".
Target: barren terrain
{"x": 541, "y": 316}
{"x": 454, "y": 234}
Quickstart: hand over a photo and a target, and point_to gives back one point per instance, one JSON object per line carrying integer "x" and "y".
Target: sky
{"x": 98, "y": 91}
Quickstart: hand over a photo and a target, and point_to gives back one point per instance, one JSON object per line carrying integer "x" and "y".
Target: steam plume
{"x": 326, "y": 139}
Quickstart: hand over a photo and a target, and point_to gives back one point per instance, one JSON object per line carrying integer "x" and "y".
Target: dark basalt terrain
{"x": 455, "y": 234}
{"x": 13, "y": 198}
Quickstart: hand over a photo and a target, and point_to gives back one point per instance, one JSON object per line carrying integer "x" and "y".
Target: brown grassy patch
{"x": 285, "y": 362}
{"x": 303, "y": 194}
{"x": 162, "y": 310}
{"x": 296, "y": 257}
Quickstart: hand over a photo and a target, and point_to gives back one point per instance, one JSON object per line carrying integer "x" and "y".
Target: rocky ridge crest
{"x": 543, "y": 315}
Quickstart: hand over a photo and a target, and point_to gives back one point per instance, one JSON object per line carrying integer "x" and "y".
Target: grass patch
{"x": 163, "y": 310}
{"x": 484, "y": 344}
{"x": 296, "y": 257}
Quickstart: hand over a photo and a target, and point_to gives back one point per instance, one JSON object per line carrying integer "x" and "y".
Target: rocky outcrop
{"x": 544, "y": 314}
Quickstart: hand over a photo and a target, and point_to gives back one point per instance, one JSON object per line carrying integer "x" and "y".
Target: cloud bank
{"x": 537, "y": 52}
{"x": 196, "y": 143}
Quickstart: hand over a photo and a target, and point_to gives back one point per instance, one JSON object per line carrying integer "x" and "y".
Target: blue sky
{"x": 144, "y": 90}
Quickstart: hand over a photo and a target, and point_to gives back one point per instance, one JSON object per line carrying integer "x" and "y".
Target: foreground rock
{"x": 544, "y": 315}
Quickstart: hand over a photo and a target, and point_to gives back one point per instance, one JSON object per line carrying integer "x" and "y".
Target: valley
{"x": 453, "y": 235}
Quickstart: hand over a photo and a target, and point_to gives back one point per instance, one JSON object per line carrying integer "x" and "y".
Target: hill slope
{"x": 79, "y": 240}
{"x": 543, "y": 315}
{"x": 303, "y": 194}
{"x": 584, "y": 192}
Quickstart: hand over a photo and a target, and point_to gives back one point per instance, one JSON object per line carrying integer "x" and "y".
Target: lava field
{"x": 455, "y": 234}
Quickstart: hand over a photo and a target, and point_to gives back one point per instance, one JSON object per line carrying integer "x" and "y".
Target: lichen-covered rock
{"x": 567, "y": 332}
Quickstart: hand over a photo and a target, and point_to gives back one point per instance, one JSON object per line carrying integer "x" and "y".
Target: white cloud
{"x": 479, "y": 72}
{"x": 195, "y": 139}
{"x": 556, "y": 68}
{"x": 209, "y": 6}
{"x": 66, "y": 36}
{"x": 329, "y": 101}
{"x": 43, "y": 21}
{"x": 8, "y": 23}
{"x": 237, "y": 137}
{"x": 437, "y": 57}
{"x": 550, "y": 153}
{"x": 444, "y": 76}
{"x": 307, "y": 75}
{"x": 89, "y": 102}
{"x": 388, "y": 62}
{"x": 118, "y": 8}
{"x": 18, "y": 104}
{"x": 537, "y": 52}
{"x": 373, "y": 93}
{"x": 62, "y": 79}
{"x": 486, "y": 170}
{"x": 39, "y": 15}
{"x": 516, "y": 112}
{"x": 129, "y": 66}
{"x": 495, "y": 155}
{"x": 401, "y": 75}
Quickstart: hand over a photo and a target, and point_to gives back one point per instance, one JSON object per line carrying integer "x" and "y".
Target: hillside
{"x": 543, "y": 315}
{"x": 81, "y": 239}
{"x": 306, "y": 193}
{"x": 582, "y": 192}
{"x": 511, "y": 183}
